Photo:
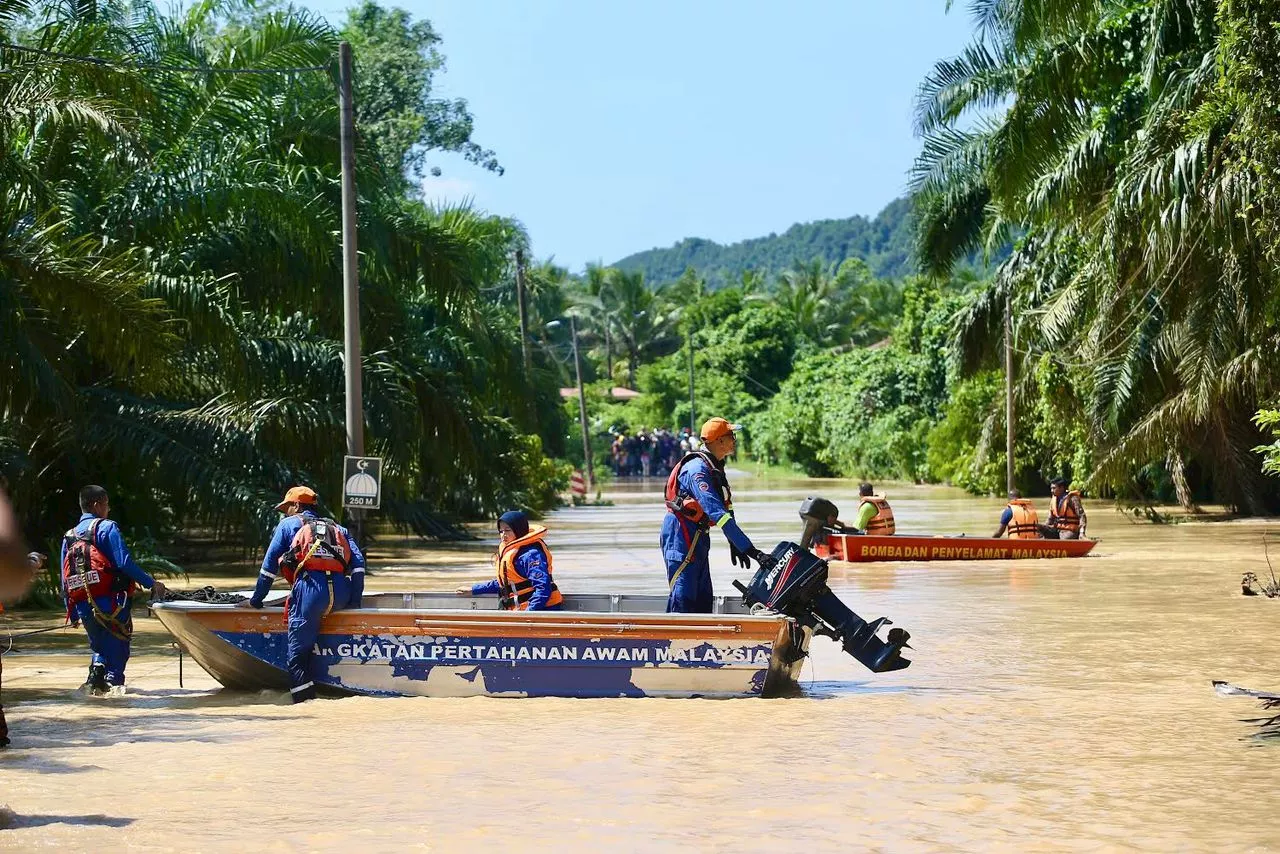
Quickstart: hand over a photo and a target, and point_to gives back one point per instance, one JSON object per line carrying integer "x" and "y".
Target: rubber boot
{"x": 96, "y": 685}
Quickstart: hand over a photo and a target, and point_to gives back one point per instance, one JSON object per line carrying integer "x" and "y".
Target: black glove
{"x": 759, "y": 556}
{"x": 737, "y": 557}
{"x": 255, "y": 603}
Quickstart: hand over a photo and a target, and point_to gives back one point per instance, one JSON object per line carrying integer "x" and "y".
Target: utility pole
{"x": 524, "y": 314}
{"x": 350, "y": 268}
{"x": 608, "y": 348}
{"x": 582, "y": 406}
{"x": 693, "y": 429}
{"x": 1008, "y": 390}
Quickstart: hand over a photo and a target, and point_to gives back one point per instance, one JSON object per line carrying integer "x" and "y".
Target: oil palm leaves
{"x": 1100, "y": 131}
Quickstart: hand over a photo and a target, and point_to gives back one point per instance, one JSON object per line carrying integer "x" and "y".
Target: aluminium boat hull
{"x": 440, "y": 645}
{"x": 863, "y": 548}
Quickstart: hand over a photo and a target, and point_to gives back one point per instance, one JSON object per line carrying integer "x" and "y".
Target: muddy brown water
{"x": 1052, "y": 704}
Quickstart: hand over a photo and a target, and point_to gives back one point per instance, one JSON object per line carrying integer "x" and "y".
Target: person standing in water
{"x": 698, "y": 498}
{"x": 325, "y": 569}
{"x": 99, "y": 577}
{"x": 522, "y": 567}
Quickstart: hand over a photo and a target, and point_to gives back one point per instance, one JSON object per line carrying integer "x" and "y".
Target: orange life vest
{"x": 86, "y": 569}
{"x": 515, "y": 590}
{"x": 319, "y": 546}
{"x": 1062, "y": 514}
{"x": 683, "y": 504}
{"x": 1025, "y": 524}
{"x": 881, "y": 523}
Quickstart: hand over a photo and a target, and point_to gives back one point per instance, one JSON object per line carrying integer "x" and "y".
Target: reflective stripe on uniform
{"x": 724, "y": 520}
{"x": 267, "y": 574}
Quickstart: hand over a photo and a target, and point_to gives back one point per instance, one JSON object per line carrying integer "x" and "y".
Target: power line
{"x": 124, "y": 66}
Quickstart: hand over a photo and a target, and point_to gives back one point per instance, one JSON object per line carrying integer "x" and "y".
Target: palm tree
{"x": 1099, "y": 131}
{"x": 643, "y": 320}
{"x": 808, "y": 293}
{"x": 170, "y": 286}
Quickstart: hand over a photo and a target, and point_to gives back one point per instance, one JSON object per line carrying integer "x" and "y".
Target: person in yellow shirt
{"x": 875, "y": 516}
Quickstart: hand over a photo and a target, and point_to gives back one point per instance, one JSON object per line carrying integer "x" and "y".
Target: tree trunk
{"x": 1178, "y": 471}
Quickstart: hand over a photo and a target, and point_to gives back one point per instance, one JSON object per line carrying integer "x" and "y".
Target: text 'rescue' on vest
{"x": 319, "y": 546}
{"x": 86, "y": 569}
{"x": 1025, "y": 524}
{"x": 1062, "y": 512}
{"x": 882, "y": 523}
{"x": 685, "y": 505}
{"x": 515, "y": 590}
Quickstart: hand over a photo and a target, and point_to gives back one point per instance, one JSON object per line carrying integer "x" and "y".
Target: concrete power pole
{"x": 582, "y": 407}
{"x": 351, "y": 357}
{"x": 1008, "y": 390}
{"x": 350, "y": 265}
{"x": 693, "y": 427}
{"x": 524, "y": 312}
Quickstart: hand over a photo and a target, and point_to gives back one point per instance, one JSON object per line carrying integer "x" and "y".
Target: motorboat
{"x": 440, "y": 644}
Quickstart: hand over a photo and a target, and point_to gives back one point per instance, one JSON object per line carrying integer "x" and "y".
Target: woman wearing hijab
{"x": 523, "y": 567}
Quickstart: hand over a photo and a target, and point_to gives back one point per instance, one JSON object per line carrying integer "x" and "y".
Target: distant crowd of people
{"x": 646, "y": 453}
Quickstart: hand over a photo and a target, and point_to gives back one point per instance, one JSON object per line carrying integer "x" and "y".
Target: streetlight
{"x": 582, "y": 400}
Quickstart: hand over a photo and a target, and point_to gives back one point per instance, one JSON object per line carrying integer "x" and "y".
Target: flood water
{"x": 1052, "y": 704}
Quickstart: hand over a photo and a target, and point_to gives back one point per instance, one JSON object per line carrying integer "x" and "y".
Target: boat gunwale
{"x": 850, "y": 548}
{"x": 532, "y": 618}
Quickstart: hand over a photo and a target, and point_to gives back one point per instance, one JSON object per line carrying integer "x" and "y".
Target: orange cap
{"x": 298, "y": 494}
{"x": 717, "y": 428}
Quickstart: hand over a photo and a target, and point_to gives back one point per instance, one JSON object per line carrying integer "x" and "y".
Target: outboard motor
{"x": 793, "y": 581}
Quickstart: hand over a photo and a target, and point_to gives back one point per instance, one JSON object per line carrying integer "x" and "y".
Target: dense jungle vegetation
{"x": 1125, "y": 149}
{"x": 171, "y": 298}
{"x": 170, "y": 276}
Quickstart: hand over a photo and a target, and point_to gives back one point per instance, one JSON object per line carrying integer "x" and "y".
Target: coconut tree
{"x": 170, "y": 281}
{"x": 1098, "y": 132}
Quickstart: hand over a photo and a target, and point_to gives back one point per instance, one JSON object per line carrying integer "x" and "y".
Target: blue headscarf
{"x": 517, "y": 520}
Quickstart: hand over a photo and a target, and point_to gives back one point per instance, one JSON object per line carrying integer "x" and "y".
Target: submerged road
{"x": 1052, "y": 704}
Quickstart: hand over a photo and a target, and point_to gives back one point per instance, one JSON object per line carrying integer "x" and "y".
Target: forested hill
{"x": 884, "y": 243}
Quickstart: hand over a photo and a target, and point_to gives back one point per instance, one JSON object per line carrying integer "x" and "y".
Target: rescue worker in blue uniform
{"x": 523, "y": 579}
{"x": 325, "y": 567}
{"x": 698, "y": 498}
{"x": 99, "y": 576}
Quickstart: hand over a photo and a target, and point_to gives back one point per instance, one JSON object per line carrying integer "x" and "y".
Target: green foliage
{"x": 396, "y": 60}
{"x": 1270, "y": 419}
{"x": 1132, "y": 147}
{"x": 171, "y": 285}
{"x": 866, "y": 412}
{"x": 739, "y": 361}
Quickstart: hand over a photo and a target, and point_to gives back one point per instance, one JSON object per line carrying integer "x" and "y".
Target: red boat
{"x": 862, "y": 548}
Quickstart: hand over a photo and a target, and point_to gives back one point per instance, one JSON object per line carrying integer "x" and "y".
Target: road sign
{"x": 362, "y": 482}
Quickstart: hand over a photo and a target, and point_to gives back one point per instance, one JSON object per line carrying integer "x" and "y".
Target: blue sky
{"x": 628, "y": 125}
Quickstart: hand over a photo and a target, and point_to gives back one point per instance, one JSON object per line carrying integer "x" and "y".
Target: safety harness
{"x": 88, "y": 573}
{"x": 682, "y": 504}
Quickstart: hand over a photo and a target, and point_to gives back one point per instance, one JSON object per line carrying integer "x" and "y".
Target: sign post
{"x": 362, "y": 482}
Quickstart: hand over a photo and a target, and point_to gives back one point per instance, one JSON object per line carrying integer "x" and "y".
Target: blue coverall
{"x": 691, "y": 593}
{"x": 108, "y": 650}
{"x": 314, "y": 594}
{"x": 532, "y": 564}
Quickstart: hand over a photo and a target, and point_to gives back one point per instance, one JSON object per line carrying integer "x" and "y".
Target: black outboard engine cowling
{"x": 793, "y": 581}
